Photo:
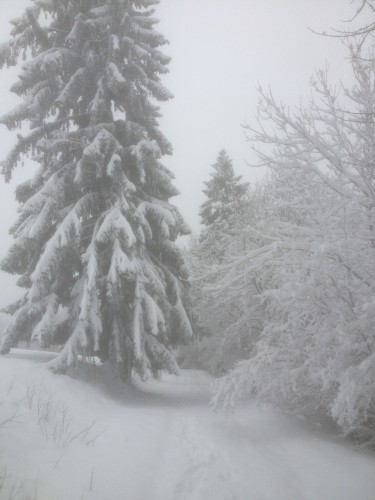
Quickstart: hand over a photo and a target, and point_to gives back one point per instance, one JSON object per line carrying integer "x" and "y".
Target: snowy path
{"x": 66, "y": 440}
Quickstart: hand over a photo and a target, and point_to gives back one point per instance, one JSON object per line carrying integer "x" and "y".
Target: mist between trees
{"x": 276, "y": 296}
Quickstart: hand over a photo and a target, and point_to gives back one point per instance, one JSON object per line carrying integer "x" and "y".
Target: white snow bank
{"x": 64, "y": 439}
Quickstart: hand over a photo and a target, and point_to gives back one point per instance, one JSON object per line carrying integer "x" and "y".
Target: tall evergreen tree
{"x": 223, "y": 216}
{"x": 222, "y": 210}
{"x": 224, "y": 193}
{"x": 94, "y": 241}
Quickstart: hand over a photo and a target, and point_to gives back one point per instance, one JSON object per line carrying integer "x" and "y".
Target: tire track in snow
{"x": 208, "y": 474}
{"x": 164, "y": 461}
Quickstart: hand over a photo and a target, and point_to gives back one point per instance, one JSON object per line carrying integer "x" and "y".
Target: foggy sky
{"x": 220, "y": 51}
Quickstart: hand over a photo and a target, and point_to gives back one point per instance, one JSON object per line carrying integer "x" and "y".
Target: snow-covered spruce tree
{"x": 223, "y": 216}
{"x": 221, "y": 213}
{"x": 224, "y": 192}
{"x": 94, "y": 241}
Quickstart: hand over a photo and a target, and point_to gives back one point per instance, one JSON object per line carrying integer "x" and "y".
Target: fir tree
{"x": 222, "y": 211}
{"x": 224, "y": 215}
{"x": 224, "y": 193}
{"x": 94, "y": 241}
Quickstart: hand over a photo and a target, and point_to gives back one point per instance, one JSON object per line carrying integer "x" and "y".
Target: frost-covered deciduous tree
{"x": 314, "y": 262}
{"x": 363, "y": 13}
{"x": 95, "y": 238}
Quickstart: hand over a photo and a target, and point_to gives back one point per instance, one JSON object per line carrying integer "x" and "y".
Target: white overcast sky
{"x": 221, "y": 49}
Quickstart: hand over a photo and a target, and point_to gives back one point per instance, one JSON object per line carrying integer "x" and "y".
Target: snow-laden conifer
{"x": 95, "y": 238}
{"x": 221, "y": 211}
{"x": 223, "y": 215}
{"x": 224, "y": 193}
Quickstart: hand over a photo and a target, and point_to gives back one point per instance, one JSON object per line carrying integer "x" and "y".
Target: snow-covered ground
{"x": 68, "y": 439}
